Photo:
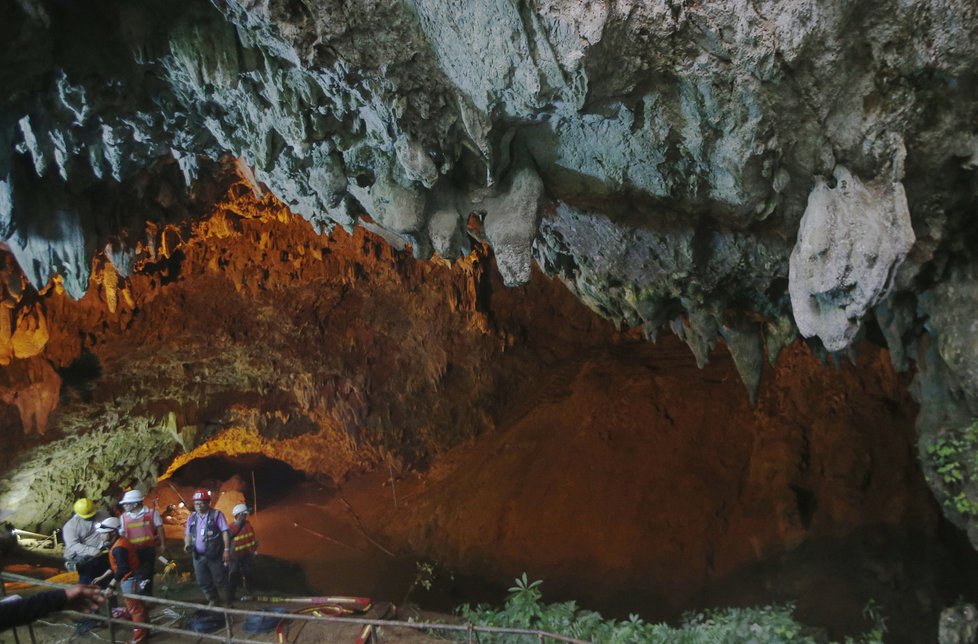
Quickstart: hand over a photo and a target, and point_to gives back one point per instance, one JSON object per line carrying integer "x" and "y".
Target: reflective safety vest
{"x": 245, "y": 540}
{"x": 140, "y": 530}
{"x": 131, "y": 557}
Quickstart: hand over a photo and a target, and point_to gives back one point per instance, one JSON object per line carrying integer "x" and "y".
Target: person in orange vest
{"x": 144, "y": 529}
{"x": 126, "y": 572}
{"x": 244, "y": 546}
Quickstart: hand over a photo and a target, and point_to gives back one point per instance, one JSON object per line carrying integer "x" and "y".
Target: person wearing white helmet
{"x": 126, "y": 572}
{"x": 144, "y": 529}
{"x": 244, "y": 546}
{"x": 83, "y": 547}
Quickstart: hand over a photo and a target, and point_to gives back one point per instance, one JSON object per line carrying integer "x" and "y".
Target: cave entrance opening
{"x": 262, "y": 480}
{"x": 316, "y": 538}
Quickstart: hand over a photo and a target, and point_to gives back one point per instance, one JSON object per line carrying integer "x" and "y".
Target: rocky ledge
{"x": 755, "y": 171}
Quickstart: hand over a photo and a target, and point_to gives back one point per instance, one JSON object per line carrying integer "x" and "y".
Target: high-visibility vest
{"x": 140, "y": 530}
{"x": 131, "y": 557}
{"x": 245, "y": 539}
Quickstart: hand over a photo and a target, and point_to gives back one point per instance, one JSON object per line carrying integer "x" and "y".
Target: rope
{"x": 469, "y": 629}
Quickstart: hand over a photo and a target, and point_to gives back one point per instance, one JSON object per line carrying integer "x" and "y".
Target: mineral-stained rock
{"x": 33, "y": 388}
{"x": 656, "y": 156}
{"x": 958, "y": 625}
{"x": 852, "y": 240}
{"x": 115, "y": 454}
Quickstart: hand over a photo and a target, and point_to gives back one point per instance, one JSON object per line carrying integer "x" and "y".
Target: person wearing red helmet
{"x": 208, "y": 542}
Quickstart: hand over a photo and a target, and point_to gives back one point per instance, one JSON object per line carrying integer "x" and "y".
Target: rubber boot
{"x": 137, "y": 612}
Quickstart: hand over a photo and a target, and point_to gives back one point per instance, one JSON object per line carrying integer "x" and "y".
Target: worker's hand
{"x": 227, "y": 556}
{"x": 84, "y": 597}
{"x": 189, "y": 547}
{"x": 104, "y": 575}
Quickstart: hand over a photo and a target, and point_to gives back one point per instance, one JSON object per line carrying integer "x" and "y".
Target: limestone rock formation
{"x": 672, "y": 162}
{"x": 851, "y": 242}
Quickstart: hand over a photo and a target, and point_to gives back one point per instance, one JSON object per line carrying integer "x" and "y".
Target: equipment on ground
{"x": 112, "y": 524}
{"x": 132, "y": 496}
{"x": 202, "y": 495}
{"x": 205, "y": 621}
{"x": 354, "y": 604}
{"x": 84, "y": 508}
{"x": 255, "y": 624}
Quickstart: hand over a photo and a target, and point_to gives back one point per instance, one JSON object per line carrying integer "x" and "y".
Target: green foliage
{"x": 425, "y": 575}
{"x": 760, "y": 625}
{"x": 953, "y": 457}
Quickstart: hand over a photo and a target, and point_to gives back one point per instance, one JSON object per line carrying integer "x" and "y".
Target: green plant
{"x": 426, "y": 572}
{"x": 761, "y": 625}
{"x": 873, "y": 614}
{"x": 953, "y": 458}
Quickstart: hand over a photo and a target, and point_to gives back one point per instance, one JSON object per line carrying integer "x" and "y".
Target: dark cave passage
{"x": 265, "y": 480}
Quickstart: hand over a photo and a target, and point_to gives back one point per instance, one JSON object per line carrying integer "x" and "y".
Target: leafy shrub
{"x": 761, "y": 625}
{"x": 953, "y": 460}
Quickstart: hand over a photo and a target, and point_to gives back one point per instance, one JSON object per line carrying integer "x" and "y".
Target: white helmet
{"x": 132, "y": 496}
{"x": 112, "y": 524}
{"x": 238, "y": 509}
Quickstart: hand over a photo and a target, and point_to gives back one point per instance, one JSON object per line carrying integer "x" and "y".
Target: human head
{"x": 108, "y": 529}
{"x": 202, "y": 500}
{"x": 131, "y": 500}
{"x": 239, "y": 509}
{"x": 84, "y": 508}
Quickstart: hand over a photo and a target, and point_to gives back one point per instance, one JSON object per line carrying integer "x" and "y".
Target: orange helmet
{"x": 202, "y": 495}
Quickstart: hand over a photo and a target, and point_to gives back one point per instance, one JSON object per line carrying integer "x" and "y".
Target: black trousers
{"x": 147, "y": 567}
{"x": 211, "y": 575}
{"x": 92, "y": 568}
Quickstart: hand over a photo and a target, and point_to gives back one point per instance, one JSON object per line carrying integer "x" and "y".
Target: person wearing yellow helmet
{"x": 83, "y": 546}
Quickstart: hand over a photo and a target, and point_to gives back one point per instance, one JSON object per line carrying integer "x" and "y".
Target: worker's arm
{"x": 121, "y": 558}
{"x": 161, "y": 540}
{"x": 16, "y": 610}
{"x": 188, "y": 536}
{"x": 227, "y": 545}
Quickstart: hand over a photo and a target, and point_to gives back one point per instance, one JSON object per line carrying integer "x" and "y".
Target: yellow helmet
{"x": 85, "y": 508}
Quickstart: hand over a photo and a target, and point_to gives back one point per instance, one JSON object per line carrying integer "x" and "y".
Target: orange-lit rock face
{"x": 557, "y": 445}
{"x": 250, "y": 319}
{"x": 634, "y": 469}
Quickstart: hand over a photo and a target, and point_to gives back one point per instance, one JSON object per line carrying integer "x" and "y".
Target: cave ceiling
{"x": 748, "y": 173}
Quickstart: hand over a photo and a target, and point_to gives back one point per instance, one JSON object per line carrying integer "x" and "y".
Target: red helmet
{"x": 202, "y": 495}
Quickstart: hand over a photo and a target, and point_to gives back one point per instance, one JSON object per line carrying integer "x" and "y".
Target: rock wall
{"x": 749, "y": 171}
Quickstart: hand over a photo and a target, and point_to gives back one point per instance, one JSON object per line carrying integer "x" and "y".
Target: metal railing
{"x": 471, "y": 630}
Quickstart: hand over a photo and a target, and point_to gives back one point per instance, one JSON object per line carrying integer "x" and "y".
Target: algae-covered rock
{"x": 97, "y": 464}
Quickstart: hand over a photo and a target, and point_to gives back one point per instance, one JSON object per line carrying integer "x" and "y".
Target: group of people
{"x": 122, "y": 551}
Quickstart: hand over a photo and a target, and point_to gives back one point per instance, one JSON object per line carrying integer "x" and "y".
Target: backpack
{"x": 205, "y": 621}
{"x": 255, "y": 624}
